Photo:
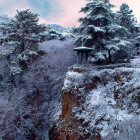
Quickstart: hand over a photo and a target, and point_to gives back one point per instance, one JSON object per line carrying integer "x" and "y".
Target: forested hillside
{"x": 47, "y": 94}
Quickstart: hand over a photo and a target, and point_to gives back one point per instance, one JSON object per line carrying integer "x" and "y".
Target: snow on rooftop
{"x": 82, "y": 48}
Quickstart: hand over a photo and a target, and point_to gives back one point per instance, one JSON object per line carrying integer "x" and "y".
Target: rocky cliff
{"x": 99, "y": 105}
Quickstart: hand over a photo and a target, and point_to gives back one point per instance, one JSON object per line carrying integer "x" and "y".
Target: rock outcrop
{"x": 97, "y": 105}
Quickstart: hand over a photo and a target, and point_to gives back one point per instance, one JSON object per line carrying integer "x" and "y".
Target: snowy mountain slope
{"x": 58, "y": 32}
{"x": 56, "y": 27}
{"x": 102, "y": 104}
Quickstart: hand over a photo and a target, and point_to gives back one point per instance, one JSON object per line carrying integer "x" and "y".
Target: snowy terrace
{"x": 135, "y": 63}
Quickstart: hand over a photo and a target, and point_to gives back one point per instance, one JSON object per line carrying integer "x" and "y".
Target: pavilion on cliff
{"x": 83, "y": 54}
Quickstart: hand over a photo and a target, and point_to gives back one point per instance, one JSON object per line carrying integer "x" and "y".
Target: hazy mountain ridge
{"x": 4, "y": 18}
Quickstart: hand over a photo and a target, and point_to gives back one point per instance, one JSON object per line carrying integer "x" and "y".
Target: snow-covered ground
{"x": 110, "y": 104}
{"x": 136, "y": 60}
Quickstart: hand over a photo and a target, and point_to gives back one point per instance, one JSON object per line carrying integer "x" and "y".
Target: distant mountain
{"x": 56, "y": 27}
{"x": 55, "y": 31}
{"x": 4, "y": 18}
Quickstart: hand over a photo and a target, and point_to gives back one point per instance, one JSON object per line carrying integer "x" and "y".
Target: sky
{"x": 63, "y": 12}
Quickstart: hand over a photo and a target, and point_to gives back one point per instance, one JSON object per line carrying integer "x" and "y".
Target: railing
{"x": 111, "y": 66}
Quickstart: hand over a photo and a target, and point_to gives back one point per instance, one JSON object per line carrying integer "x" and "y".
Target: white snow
{"x": 136, "y": 60}
{"x": 101, "y": 109}
{"x": 15, "y": 70}
{"x": 124, "y": 43}
{"x": 96, "y": 97}
{"x": 111, "y": 47}
{"x": 115, "y": 27}
{"x": 96, "y": 29}
{"x": 138, "y": 37}
{"x": 83, "y": 48}
{"x": 73, "y": 79}
{"x": 103, "y": 102}
{"x": 99, "y": 56}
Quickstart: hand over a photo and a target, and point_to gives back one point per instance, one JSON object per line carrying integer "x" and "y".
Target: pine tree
{"x": 126, "y": 18}
{"x": 99, "y": 29}
{"x": 24, "y": 34}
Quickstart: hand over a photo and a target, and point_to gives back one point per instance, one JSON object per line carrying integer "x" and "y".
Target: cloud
{"x": 63, "y": 12}
{"x": 45, "y": 8}
{"x": 11, "y": 6}
{"x": 69, "y": 13}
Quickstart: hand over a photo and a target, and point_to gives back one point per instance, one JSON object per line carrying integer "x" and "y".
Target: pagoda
{"x": 83, "y": 54}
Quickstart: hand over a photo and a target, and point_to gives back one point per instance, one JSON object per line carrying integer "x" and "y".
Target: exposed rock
{"x": 97, "y": 104}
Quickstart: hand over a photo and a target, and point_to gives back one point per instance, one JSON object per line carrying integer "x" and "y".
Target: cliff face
{"x": 100, "y": 105}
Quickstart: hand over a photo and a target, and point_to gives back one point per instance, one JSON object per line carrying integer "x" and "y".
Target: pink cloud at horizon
{"x": 63, "y": 12}
{"x": 22, "y": 5}
{"x": 69, "y": 15}
{"x": 70, "y": 11}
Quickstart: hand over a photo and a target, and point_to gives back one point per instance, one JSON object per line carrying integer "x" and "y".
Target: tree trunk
{"x": 22, "y": 49}
{"x": 109, "y": 56}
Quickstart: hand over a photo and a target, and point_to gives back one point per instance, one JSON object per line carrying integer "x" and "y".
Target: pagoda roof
{"x": 82, "y": 48}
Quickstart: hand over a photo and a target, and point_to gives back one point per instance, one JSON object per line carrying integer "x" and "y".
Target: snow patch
{"x": 73, "y": 79}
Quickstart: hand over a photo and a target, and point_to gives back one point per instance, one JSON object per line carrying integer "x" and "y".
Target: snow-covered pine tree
{"x": 24, "y": 34}
{"x": 126, "y": 17}
{"x": 99, "y": 28}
